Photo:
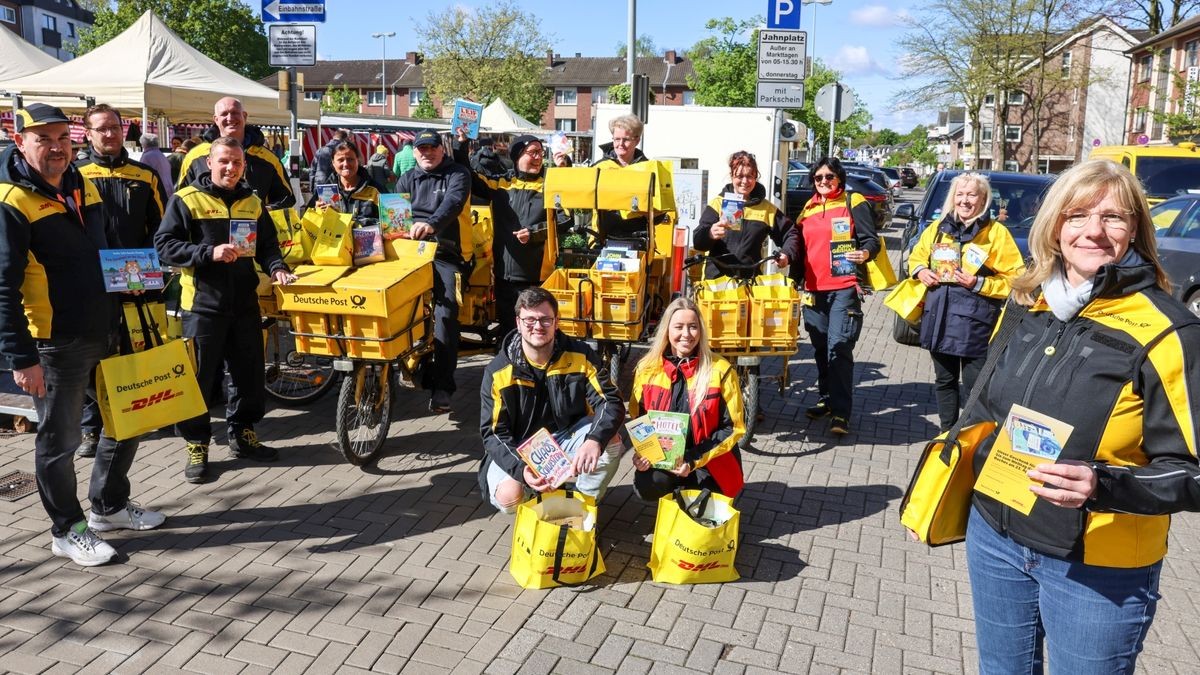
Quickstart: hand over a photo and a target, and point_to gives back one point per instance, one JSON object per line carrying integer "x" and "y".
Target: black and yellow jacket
{"x": 760, "y": 219}
{"x": 264, "y": 172}
{"x": 363, "y": 199}
{"x": 132, "y": 192}
{"x": 197, "y": 221}
{"x": 717, "y": 423}
{"x": 570, "y": 388}
{"x": 51, "y": 285}
{"x": 441, "y": 197}
{"x": 1125, "y": 373}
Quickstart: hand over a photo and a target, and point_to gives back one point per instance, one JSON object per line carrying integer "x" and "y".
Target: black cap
{"x": 519, "y": 143}
{"x": 426, "y": 137}
{"x": 37, "y": 114}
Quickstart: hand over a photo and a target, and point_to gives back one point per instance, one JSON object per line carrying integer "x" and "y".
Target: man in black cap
{"x": 56, "y": 322}
{"x": 519, "y": 216}
{"x": 441, "y": 195}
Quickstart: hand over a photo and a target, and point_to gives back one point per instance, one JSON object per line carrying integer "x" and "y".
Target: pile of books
{"x": 618, "y": 259}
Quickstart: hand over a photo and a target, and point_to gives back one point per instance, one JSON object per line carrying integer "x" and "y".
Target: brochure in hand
{"x": 368, "y": 245}
{"x": 645, "y": 439}
{"x": 1027, "y": 439}
{"x": 546, "y": 458}
{"x": 466, "y": 117}
{"x": 672, "y": 430}
{"x": 243, "y": 235}
{"x": 733, "y": 208}
{"x": 396, "y": 216}
{"x": 130, "y": 269}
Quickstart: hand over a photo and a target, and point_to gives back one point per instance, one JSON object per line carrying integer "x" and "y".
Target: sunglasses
{"x": 824, "y": 177}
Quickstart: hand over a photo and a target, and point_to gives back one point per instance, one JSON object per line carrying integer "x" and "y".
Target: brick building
{"x": 1163, "y": 67}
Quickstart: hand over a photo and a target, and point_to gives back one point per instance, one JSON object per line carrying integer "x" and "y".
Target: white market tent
{"x": 150, "y": 70}
{"x": 498, "y": 118}
{"x": 18, "y": 58}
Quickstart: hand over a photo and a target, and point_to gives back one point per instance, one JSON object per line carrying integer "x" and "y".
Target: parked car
{"x": 1165, "y": 170}
{"x": 893, "y": 176}
{"x": 908, "y": 177}
{"x": 877, "y": 177}
{"x": 1015, "y": 200}
{"x": 800, "y": 190}
{"x": 1177, "y": 231}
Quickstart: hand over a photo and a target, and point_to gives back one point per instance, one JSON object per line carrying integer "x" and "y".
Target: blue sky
{"x": 854, "y": 36}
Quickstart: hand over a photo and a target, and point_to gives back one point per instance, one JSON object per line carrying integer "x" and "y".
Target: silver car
{"x": 1177, "y": 231}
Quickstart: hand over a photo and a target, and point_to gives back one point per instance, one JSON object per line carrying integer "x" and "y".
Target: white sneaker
{"x": 132, "y": 517}
{"x": 85, "y": 548}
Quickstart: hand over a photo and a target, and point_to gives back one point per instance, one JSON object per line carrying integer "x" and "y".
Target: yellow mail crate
{"x": 725, "y": 309}
{"x": 312, "y": 290}
{"x": 571, "y": 187}
{"x": 320, "y": 324}
{"x": 624, "y": 190}
{"x": 609, "y": 281}
{"x": 377, "y": 293}
{"x": 617, "y": 316}
{"x": 774, "y": 313}
{"x": 390, "y": 336}
{"x": 573, "y": 304}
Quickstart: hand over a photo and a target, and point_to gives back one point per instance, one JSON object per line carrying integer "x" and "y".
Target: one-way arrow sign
{"x": 301, "y": 12}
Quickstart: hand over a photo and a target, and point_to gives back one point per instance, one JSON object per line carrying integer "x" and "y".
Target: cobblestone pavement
{"x": 311, "y": 564}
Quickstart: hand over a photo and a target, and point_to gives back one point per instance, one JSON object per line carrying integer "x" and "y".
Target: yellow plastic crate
{"x": 574, "y": 304}
{"x": 476, "y": 306}
{"x": 608, "y": 281}
{"x": 389, "y": 336}
{"x": 774, "y": 313}
{"x": 725, "y": 309}
{"x": 323, "y": 324}
{"x": 618, "y": 316}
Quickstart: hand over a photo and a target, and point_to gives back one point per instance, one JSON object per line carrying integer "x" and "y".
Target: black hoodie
{"x": 760, "y": 220}
{"x": 132, "y": 192}
{"x": 264, "y": 173}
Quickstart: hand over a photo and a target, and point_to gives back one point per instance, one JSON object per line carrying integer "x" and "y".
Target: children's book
{"x": 672, "y": 430}
{"x": 329, "y": 194}
{"x": 466, "y": 117}
{"x": 546, "y": 458}
{"x": 733, "y": 208}
{"x": 368, "y": 245}
{"x": 395, "y": 215}
{"x": 839, "y": 265}
{"x": 130, "y": 269}
{"x": 243, "y": 234}
{"x": 944, "y": 260}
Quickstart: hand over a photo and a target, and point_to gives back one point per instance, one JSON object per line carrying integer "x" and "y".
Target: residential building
{"x": 1081, "y": 84}
{"x": 1164, "y": 68}
{"x": 10, "y": 15}
{"x": 947, "y": 136}
{"x": 53, "y": 26}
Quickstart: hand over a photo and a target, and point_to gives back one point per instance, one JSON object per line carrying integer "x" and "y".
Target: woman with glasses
{"x": 1100, "y": 379}
{"x": 837, "y": 234}
{"x": 741, "y": 234}
{"x": 624, "y": 226}
{"x": 679, "y": 373}
{"x": 967, "y": 261}
{"x": 354, "y": 192}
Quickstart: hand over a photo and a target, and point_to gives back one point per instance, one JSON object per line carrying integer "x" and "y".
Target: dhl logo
{"x": 46, "y": 205}
{"x": 153, "y": 399}
{"x": 573, "y": 569}
{"x": 702, "y": 567}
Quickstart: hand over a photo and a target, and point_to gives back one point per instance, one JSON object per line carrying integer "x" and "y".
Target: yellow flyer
{"x": 1027, "y": 439}
{"x": 645, "y": 439}
{"x": 840, "y": 230}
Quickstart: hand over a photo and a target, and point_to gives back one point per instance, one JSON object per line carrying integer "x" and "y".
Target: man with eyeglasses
{"x": 56, "y": 323}
{"x": 134, "y": 198}
{"x": 544, "y": 379}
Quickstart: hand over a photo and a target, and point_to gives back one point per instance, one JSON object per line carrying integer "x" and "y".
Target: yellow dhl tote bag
{"x": 695, "y": 538}
{"x": 140, "y": 392}
{"x": 554, "y": 541}
{"x": 295, "y": 241}
{"x": 334, "y": 243}
{"x": 156, "y": 320}
{"x": 908, "y": 300}
{"x": 880, "y": 273}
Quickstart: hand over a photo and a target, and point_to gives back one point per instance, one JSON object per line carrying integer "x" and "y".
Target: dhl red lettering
{"x": 702, "y": 567}
{"x": 574, "y": 569}
{"x": 153, "y": 399}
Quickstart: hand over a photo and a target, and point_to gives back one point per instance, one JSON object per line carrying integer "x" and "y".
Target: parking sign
{"x": 783, "y": 14}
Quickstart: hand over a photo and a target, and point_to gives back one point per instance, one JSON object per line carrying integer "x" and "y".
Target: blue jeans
{"x": 1092, "y": 619}
{"x": 833, "y": 324}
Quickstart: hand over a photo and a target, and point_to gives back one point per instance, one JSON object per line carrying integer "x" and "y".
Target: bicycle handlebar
{"x": 727, "y": 267}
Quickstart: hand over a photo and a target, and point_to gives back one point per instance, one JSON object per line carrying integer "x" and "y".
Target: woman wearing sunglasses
{"x": 837, "y": 234}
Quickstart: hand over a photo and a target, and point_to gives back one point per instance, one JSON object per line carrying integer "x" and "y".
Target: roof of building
{"x": 1185, "y": 26}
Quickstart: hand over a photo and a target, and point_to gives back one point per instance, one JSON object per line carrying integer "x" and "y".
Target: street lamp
{"x": 383, "y": 63}
{"x": 812, "y": 42}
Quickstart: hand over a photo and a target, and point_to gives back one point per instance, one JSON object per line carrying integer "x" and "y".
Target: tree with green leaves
{"x": 886, "y": 136}
{"x": 226, "y": 31}
{"x": 425, "y": 110}
{"x": 344, "y": 100}
{"x": 620, "y": 93}
{"x": 485, "y": 54}
{"x": 644, "y": 47}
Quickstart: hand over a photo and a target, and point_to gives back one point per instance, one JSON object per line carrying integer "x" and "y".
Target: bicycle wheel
{"x": 293, "y": 377}
{"x": 364, "y": 411}
{"x": 749, "y": 378}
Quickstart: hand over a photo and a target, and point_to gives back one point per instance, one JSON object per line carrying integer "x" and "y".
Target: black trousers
{"x": 233, "y": 343}
{"x": 947, "y": 369}
{"x": 653, "y": 484}
{"x": 446, "y": 288}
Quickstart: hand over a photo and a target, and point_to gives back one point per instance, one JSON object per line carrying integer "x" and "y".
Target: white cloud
{"x": 879, "y": 16}
{"x": 856, "y": 60}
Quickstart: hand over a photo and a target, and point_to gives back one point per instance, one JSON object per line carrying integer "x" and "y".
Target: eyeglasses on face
{"x": 824, "y": 177}
{"x": 1111, "y": 220}
{"x": 106, "y": 130}
{"x": 531, "y": 321}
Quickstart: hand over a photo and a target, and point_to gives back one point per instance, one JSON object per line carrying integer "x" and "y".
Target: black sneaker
{"x": 839, "y": 426}
{"x": 196, "y": 469}
{"x": 816, "y": 412}
{"x": 87, "y": 446}
{"x": 243, "y": 443}
{"x": 439, "y": 401}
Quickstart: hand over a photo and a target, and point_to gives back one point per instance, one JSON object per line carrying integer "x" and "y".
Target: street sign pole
{"x": 837, "y": 114}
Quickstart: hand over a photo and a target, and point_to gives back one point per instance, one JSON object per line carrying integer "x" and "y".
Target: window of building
{"x": 1011, "y": 165}
{"x": 599, "y": 94}
{"x": 986, "y": 133}
{"x": 314, "y": 95}
{"x": 374, "y": 97}
{"x": 1066, "y": 65}
{"x": 1016, "y": 98}
{"x": 1145, "y": 67}
{"x": 1075, "y": 95}
{"x": 564, "y": 125}
{"x": 70, "y": 29}
{"x": 415, "y": 96}
{"x": 1139, "y": 121}
{"x": 689, "y": 97}
{"x": 50, "y": 22}
{"x": 1012, "y": 133}
{"x": 8, "y": 15}
{"x": 1192, "y": 49}
{"x": 566, "y": 96}
{"x": 989, "y": 99}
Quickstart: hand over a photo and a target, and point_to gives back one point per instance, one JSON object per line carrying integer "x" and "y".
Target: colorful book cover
{"x": 944, "y": 260}
{"x": 368, "y": 245}
{"x": 733, "y": 208}
{"x": 839, "y": 265}
{"x": 559, "y": 144}
{"x": 466, "y": 117}
{"x": 243, "y": 234}
{"x": 396, "y": 216}
{"x": 672, "y": 430}
{"x": 330, "y": 195}
{"x": 131, "y": 269}
{"x": 546, "y": 458}
{"x": 645, "y": 439}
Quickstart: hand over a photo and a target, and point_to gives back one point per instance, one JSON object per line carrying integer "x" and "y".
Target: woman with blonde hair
{"x": 1100, "y": 380}
{"x": 679, "y": 373}
{"x": 968, "y": 262}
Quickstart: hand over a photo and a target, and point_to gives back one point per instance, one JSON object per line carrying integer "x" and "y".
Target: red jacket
{"x": 816, "y": 230}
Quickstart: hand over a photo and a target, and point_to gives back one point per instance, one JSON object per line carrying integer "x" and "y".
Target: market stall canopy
{"x": 498, "y": 118}
{"x": 149, "y": 67}
{"x": 18, "y": 58}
